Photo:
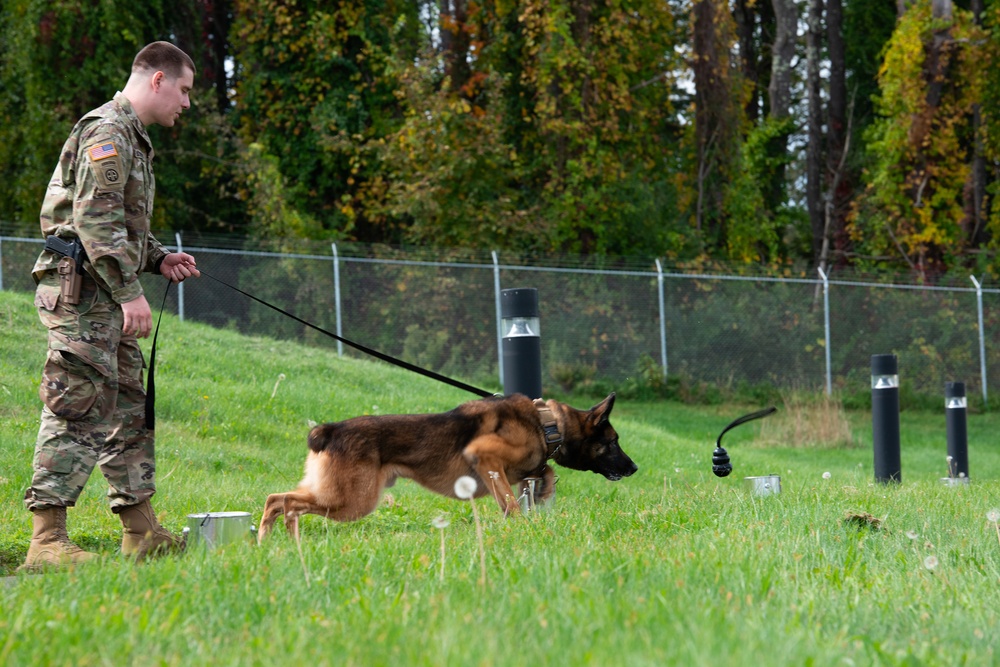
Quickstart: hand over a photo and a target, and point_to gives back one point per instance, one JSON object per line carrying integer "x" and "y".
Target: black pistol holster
{"x": 70, "y": 266}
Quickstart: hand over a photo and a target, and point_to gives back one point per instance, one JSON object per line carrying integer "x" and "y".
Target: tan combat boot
{"x": 50, "y": 546}
{"x": 144, "y": 536}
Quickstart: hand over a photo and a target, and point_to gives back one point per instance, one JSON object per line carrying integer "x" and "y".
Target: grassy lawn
{"x": 672, "y": 566}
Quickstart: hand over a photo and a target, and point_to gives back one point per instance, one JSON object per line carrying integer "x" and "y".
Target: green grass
{"x": 669, "y": 567}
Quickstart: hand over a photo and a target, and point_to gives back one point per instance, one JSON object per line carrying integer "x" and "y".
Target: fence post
{"x": 982, "y": 334}
{"x": 496, "y": 298}
{"x": 663, "y": 318}
{"x": 180, "y": 285}
{"x": 826, "y": 330}
{"x": 336, "y": 297}
{"x": 1, "y": 263}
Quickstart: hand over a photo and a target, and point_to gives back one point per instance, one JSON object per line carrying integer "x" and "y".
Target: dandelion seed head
{"x": 912, "y": 534}
{"x": 494, "y": 474}
{"x": 441, "y": 521}
{"x": 931, "y": 562}
{"x": 281, "y": 376}
{"x": 827, "y": 475}
{"x": 993, "y": 515}
{"x": 465, "y": 487}
{"x": 961, "y": 475}
{"x": 949, "y": 459}
{"x": 311, "y": 422}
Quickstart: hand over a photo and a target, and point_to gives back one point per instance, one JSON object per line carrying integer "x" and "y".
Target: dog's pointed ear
{"x": 602, "y": 411}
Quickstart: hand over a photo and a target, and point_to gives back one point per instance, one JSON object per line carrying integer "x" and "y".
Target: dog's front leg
{"x": 274, "y": 507}
{"x": 481, "y": 455}
{"x": 548, "y": 485}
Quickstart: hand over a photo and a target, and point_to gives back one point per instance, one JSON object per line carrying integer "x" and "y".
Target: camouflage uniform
{"x": 102, "y": 193}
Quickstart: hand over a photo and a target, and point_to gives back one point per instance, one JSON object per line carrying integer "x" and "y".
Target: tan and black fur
{"x": 351, "y": 462}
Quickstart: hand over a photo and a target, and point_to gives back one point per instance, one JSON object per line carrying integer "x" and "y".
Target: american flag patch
{"x": 101, "y": 151}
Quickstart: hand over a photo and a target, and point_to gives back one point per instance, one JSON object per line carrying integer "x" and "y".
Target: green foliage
{"x": 753, "y": 228}
{"x": 60, "y": 60}
{"x": 930, "y": 80}
{"x": 312, "y": 91}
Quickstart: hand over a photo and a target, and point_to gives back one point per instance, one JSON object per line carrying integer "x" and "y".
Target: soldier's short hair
{"x": 165, "y": 57}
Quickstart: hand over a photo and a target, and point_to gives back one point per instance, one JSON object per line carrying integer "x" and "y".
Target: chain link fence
{"x": 607, "y": 322}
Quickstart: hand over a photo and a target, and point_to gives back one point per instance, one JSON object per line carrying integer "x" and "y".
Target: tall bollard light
{"x": 885, "y": 418}
{"x": 521, "y": 342}
{"x": 955, "y": 427}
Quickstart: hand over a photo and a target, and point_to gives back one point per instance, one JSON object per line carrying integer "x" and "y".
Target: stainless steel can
{"x": 216, "y": 529}
{"x": 531, "y": 490}
{"x": 765, "y": 485}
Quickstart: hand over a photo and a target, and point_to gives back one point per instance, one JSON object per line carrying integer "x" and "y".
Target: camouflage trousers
{"x": 94, "y": 403}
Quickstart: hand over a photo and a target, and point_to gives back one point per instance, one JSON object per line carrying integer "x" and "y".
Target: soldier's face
{"x": 172, "y": 96}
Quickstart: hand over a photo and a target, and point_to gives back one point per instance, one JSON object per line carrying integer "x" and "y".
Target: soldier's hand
{"x": 179, "y": 265}
{"x": 138, "y": 317}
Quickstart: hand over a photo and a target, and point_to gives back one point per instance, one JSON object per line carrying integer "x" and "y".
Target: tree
{"x": 717, "y": 117}
{"x": 59, "y": 60}
{"x": 922, "y": 143}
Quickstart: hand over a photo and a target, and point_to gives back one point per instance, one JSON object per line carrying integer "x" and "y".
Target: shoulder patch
{"x": 109, "y": 174}
{"x": 102, "y": 151}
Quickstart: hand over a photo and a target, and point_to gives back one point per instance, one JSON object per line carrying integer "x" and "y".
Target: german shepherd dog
{"x": 499, "y": 442}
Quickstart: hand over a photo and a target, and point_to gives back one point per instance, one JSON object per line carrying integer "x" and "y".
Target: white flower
{"x": 931, "y": 562}
{"x": 826, "y": 475}
{"x": 993, "y": 515}
{"x": 912, "y": 534}
{"x": 441, "y": 521}
{"x": 465, "y": 487}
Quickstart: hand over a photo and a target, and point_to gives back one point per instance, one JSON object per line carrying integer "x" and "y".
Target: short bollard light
{"x": 885, "y": 418}
{"x": 521, "y": 342}
{"x": 955, "y": 410}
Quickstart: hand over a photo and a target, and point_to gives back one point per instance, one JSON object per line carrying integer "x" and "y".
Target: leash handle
{"x": 482, "y": 393}
{"x": 150, "y": 380}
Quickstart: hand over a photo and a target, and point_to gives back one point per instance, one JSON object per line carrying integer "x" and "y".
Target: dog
{"x": 498, "y": 441}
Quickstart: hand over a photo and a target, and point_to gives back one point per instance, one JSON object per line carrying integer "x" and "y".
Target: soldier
{"x": 99, "y": 201}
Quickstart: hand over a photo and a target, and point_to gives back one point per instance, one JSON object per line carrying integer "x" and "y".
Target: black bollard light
{"x": 521, "y": 342}
{"x": 955, "y": 407}
{"x": 885, "y": 417}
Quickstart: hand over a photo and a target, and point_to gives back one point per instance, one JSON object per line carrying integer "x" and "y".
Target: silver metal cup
{"x": 216, "y": 529}
{"x": 531, "y": 489}
{"x": 765, "y": 485}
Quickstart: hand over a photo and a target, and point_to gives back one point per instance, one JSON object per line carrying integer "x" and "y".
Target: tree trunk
{"x": 780, "y": 93}
{"x": 838, "y": 184}
{"x": 814, "y": 149}
{"x": 746, "y": 18}
{"x": 780, "y": 88}
{"x": 455, "y": 42}
{"x": 976, "y": 237}
{"x": 712, "y": 98}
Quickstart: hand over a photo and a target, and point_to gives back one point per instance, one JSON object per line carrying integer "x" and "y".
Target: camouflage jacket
{"x": 102, "y": 193}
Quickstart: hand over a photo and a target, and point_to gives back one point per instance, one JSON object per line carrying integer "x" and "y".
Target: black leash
{"x": 150, "y": 380}
{"x": 150, "y": 384}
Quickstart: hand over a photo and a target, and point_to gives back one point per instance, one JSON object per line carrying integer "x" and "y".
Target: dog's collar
{"x": 553, "y": 438}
